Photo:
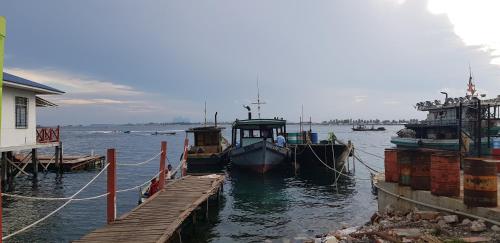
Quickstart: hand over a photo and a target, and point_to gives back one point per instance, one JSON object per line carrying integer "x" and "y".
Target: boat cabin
{"x": 206, "y": 139}
{"x": 247, "y": 132}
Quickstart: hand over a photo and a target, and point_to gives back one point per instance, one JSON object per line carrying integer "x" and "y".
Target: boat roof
{"x": 18, "y": 82}
{"x": 258, "y": 123}
{"x": 205, "y": 129}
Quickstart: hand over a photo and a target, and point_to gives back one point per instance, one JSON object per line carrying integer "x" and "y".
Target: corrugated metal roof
{"x": 22, "y": 81}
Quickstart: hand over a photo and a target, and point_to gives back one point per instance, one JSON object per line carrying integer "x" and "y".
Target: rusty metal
{"x": 480, "y": 183}
{"x": 404, "y": 157}
{"x": 421, "y": 170}
{"x": 391, "y": 165}
{"x": 445, "y": 174}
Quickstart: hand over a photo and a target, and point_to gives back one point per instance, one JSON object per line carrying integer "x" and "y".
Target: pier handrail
{"x": 113, "y": 191}
{"x": 143, "y": 162}
{"x": 57, "y": 209}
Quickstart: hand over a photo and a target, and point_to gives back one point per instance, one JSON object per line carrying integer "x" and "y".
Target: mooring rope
{"x": 57, "y": 209}
{"x": 372, "y": 154}
{"x": 366, "y": 165}
{"x": 141, "y": 163}
{"x": 333, "y": 169}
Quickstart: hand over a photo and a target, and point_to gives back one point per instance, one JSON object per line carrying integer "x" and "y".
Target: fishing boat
{"x": 209, "y": 149}
{"x": 255, "y": 145}
{"x": 470, "y": 124}
{"x": 360, "y": 127}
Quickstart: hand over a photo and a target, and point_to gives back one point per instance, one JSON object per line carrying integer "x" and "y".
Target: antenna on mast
{"x": 205, "y": 124}
{"x": 258, "y": 103}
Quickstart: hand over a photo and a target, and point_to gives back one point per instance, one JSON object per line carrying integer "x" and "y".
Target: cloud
{"x": 73, "y": 83}
{"x": 359, "y": 98}
{"x": 90, "y": 101}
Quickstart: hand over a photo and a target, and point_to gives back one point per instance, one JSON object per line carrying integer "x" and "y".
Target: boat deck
{"x": 160, "y": 217}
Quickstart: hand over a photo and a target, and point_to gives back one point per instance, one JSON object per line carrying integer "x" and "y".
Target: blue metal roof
{"x": 18, "y": 80}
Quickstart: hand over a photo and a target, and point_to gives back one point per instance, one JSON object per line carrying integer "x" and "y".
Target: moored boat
{"x": 209, "y": 148}
{"x": 255, "y": 145}
{"x": 468, "y": 124}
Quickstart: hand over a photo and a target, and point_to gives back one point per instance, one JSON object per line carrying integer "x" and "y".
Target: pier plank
{"x": 158, "y": 219}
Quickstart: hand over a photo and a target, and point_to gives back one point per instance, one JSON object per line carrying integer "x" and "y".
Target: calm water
{"x": 254, "y": 208}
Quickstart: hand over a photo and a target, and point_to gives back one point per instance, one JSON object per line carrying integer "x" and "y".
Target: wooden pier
{"x": 69, "y": 162}
{"x": 160, "y": 218}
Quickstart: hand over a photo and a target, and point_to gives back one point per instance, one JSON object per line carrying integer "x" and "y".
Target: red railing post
{"x": 184, "y": 161}
{"x": 163, "y": 158}
{"x": 111, "y": 209}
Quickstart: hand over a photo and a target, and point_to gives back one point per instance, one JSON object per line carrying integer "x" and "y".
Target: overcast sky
{"x": 126, "y": 61}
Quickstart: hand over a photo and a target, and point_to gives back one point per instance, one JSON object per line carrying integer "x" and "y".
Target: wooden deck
{"x": 70, "y": 162}
{"x": 159, "y": 218}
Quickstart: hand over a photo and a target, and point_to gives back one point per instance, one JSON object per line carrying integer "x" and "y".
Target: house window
{"x": 21, "y": 112}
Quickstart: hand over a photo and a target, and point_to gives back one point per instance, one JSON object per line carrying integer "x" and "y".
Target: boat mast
{"x": 471, "y": 87}
{"x": 258, "y": 103}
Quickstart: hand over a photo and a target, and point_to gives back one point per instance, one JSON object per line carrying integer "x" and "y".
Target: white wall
{"x": 10, "y": 135}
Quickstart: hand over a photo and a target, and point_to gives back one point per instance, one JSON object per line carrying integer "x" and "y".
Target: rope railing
{"x": 57, "y": 209}
{"x": 139, "y": 186}
{"x": 143, "y": 162}
{"x": 111, "y": 187}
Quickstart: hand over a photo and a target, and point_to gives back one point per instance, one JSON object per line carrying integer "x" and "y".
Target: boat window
{"x": 255, "y": 133}
{"x": 246, "y": 133}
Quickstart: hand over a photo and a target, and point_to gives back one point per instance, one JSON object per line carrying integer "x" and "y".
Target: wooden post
{"x": 61, "y": 159}
{"x": 56, "y": 160}
{"x": 162, "y": 164}
{"x": 34, "y": 161}
{"x": 184, "y": 161}
{"x": 4, "y": 170}
{"x": 111, "y": 209}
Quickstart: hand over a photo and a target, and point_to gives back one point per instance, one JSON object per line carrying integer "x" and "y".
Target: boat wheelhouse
{"x": 209, "y": 149}
{"x": 254, "y": 144}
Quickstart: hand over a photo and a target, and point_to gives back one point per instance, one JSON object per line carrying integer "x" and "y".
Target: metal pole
{"x": 162, "y": 164}
{"x": 478, "y": 143}
{"x": 111, "y": 200}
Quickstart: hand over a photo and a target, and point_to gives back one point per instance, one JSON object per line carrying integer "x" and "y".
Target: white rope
{"x": 139, "y": 186}
{"x": 144, "y": 162}
{"x": 53, "y": 198}
{"x": 57, "y": 209}
{"x": 327, "y": 166}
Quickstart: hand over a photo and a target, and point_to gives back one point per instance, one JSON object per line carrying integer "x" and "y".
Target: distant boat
{"x": 163, "y": 133}
{"x": 127, "y": 132}
{"x": 256, "y": 148}
{"x": 364, "y": 128}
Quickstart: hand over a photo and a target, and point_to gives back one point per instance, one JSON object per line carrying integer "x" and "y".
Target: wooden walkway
{"x": 158, "y": 219}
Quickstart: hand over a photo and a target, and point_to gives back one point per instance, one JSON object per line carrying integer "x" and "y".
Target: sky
{"x": 124, "y": 61}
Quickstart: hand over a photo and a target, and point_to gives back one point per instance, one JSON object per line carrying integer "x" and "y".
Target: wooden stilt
{"x": 34, "y": 161}
{"x": 4, "y": 170}
{"x": 61, "y": 154}
{"x": 57, "y": 162}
